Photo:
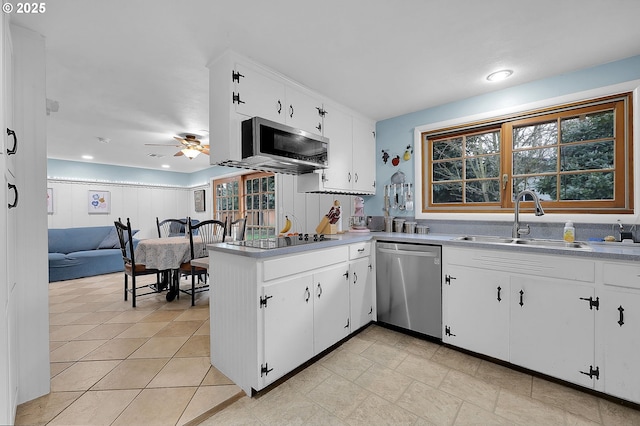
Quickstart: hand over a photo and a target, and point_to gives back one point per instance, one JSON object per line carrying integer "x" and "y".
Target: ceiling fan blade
{"x": 205, "y": 151}
{"x": 160, "y": 144}
{"x": 178, "y": 154}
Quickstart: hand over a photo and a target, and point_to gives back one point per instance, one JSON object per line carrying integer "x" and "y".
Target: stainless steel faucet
{"x": 517, "y": 231}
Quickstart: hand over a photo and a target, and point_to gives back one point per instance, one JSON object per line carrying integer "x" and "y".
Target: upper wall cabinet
{"x": 241, "y": 88}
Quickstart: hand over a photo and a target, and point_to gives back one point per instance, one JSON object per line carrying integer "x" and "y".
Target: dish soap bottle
{"x": 569, "y": 233}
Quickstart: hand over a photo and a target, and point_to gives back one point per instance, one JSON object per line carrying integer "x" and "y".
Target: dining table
{"x": 167, "y": 254}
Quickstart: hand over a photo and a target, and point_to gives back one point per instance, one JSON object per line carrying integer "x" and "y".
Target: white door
{"x": 331, "y": 307}
{"x": 288, "y": 326}
{"x": 303, "y": 111}
{"x": 257, "y": 94}
{"x": 364, "y": 151}
{"x": 552, "y": 327}
{"x": 475, "y": 306}
{"x": 361, "y": 292}
{"x": 620, "y": 315}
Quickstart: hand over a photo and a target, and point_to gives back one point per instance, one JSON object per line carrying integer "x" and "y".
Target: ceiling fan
{"x": 190, "y": 146}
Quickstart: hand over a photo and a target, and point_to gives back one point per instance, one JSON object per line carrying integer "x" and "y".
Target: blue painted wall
{"x": 396, "y": 133}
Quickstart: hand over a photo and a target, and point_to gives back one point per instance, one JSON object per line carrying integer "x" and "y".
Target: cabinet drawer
{"x": 621, "y": 275}
{"x": 356, "y": 251}
{"x": 294, "y": 264}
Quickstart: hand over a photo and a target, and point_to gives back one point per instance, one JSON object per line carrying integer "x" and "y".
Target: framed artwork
{"x": 198, "y": 197}
{"x": 50, "y": 200}
{"x": 99, "y": 202}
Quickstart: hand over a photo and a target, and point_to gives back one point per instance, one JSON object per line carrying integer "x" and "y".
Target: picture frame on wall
{"x": 99, "y": 202}
{"x": 198, "y": 198}
{"x": 50, "y": 200}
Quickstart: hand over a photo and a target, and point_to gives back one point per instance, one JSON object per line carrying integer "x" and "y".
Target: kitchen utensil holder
{"x": 398, "y": 196}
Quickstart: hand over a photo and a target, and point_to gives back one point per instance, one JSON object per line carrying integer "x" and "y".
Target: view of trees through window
{"x": 578, "y": 154}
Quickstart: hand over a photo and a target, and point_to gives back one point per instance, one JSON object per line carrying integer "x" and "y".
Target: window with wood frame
{"x": 576, "y": 158}
{"x": 252, "y": 195}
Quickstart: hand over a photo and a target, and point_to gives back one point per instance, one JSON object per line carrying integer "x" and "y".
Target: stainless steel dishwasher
{"x": 409, "y": 286}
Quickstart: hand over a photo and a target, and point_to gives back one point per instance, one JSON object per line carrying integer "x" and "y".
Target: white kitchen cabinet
{"x": 619, "y": 321}
{"x": 361, "y": 275}
{"x": 476, "y": 310}
{"x": 552, "y": 327}
{"x": 288, "y": 319}
{"x": 330, "y": 307}
{"x": 351, "y": 155}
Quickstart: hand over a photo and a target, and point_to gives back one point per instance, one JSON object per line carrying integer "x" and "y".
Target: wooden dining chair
{"x": 131, "y": 268}
{"x": 237, "y": 228}
{"x": 208, "y": 232}
{"x": 171, "y": 227}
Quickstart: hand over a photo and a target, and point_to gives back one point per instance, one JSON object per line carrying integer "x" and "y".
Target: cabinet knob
{"x": 15, "y": 192}
{"x": 319, "y": 290}
{"x": 15, "y": 142}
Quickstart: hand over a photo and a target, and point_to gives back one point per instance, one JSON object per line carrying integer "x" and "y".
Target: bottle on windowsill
{"x": 569, "y": 234}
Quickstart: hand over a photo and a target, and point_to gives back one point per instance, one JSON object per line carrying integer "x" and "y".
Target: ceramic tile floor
{"x": 381, "y": 377}
{"x": 115, "y": 365}
{"x": 111, "y": 364}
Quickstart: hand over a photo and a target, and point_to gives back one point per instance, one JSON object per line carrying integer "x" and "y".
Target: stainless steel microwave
{"x": 267, "y": 145}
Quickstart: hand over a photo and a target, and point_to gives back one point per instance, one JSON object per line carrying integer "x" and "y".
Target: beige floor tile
{"x": 65, "y": 318}
{"x": 346, "y": 364}
{"x": 115, "y": 349}
{"x": 380, "y": 334}
{"x": 377, "y": 411}
{"x": 204, "y": 329}
{"x": 471, "y": 415}
{"x": 96, "y": 408}
{"x": 194, "y": 314}
{"x": 576, "y": 420}
{"x": 81, "y": 376}
{"x": 156, "y": 407}
{"x": 159, "y": 347}
{"x": 143, "y": 329}
{"x": 131, "y": 374}
{"x": 161, "y": 316}
{"x": 384, "y": 382}
{"x": 129, "y": 316}
{"x": 179, "y": 328}
{"x": 455, "y": 359}
{"x": 96, "y": 317}
{"x": 57, "y": 367}
{"x": 42, "y": 410}
{"x": 238, "y": 413}
{"x": 338, "y": 395}
{"x": 569, "y": 399}
{"x": 470, "y": 389}
{"x": 63, "y": 307}
{"x": 284, "y": 405}
{"x": 55, "y": 345}
{"x": 182, "y": 372}
{"x": 307, "y": 379}
{"x": 418, "y": 347}
{"x": 207, "y": 399}
{"x": 356, "y": 344}
{"x": 324, "y": 418}
{"x": 74, "y": 350}
{"x": 424, "y": 370}
{"x": 103, "y": 332}
{"x": 214, "y": 378}
{"x": 505, "y": 377}
{"x": 432, "y": 404}
{"x": 527, "y": 411}
{"x": 195, "y": 346}
{"x": 69, "y": 332}
{"x": 618, "y": 415}
{"x": 89, "y": 307}
{"x": 385, "y": 355}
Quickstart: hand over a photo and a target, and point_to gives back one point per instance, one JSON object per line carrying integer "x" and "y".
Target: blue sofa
{"x": 83, "y": 252}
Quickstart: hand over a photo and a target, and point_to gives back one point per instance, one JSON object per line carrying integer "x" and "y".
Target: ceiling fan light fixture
{"x": 499, "y": 75}
{"x": 190, "y": 153}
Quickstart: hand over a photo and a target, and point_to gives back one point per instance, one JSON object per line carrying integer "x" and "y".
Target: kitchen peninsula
{"x": 273, "y": 310}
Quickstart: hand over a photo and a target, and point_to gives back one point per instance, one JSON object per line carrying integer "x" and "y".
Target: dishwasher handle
{"x": 409, "y": 252}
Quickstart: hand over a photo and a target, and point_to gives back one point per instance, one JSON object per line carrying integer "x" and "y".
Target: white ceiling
{"x": 135, "y": 72}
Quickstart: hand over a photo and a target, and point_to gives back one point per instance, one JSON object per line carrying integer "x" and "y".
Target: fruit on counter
{"x": 287, "y": 225}
{"x": 610, "y": 238}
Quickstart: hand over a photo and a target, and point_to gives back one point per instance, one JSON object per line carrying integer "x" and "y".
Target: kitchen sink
{"x": 485, "y": 239}
{"x": 489, "y": 239}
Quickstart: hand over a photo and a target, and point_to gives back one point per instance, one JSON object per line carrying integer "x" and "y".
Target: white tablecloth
{"x": 165, "y": 253}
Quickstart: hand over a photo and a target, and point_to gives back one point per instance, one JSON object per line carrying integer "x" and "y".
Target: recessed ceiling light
{"x": 499, "y": 75}
{"x": 166, "y": 166}
{"x": 87, "y": 157}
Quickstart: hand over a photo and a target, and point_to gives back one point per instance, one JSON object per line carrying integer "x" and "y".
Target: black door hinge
{"x": 592, "y": 373}
{"x": 447, "y": 331}
{"x": 321, "y": 111}
{"x": 236, "y": 98}
{"x": 235, "y": 76}
{"x": 264, "y": 369}
{"x": 448, "y": 278}
{"x": 263, "y": 300}
{"x": 592, "y": 303}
